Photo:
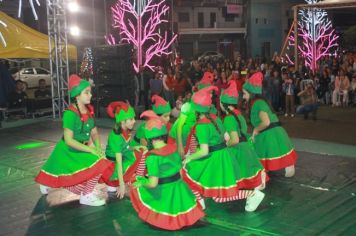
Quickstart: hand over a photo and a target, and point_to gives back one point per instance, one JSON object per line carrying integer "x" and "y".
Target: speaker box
{"x": 113, "y": 65}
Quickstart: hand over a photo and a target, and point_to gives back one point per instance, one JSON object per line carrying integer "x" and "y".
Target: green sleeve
{"x": 260, "y": 105}
{"x": 186, "y": 109}
{"x": 140, "y": 131}
{"x": 202, "y": 133}
{"x": 230, "y": 124}
{"x": 220, "y": 125}
{"x": 152, "y": 165}
{"x": 69, "y": 119}
{"x": 115, "y": 142}
{"x": 243, "y": 124}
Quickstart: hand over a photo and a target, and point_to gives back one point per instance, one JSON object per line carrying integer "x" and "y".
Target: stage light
{"x": 74, "y": 31}
{"x": 73, "y": 6}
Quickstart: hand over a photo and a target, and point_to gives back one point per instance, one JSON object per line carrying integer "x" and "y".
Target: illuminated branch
{"x": 145, "y": 37}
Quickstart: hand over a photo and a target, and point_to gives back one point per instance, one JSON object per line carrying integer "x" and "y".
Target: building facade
{"x": 210, "y": 25}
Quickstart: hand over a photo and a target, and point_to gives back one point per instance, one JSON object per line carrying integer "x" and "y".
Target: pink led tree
{"x": 140, "y": 25}
{"x": 316, "y": 35}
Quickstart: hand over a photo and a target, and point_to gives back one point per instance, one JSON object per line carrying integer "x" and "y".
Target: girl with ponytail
{"x": 75, "y": 164}
{"x": 120, "y": 149}
{"x": 272, "y": 144}
{"x": 210, "y": 171}
{"x": 251, "y": 170}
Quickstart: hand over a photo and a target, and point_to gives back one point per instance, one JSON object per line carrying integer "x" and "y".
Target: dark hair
{"x": 117, "y": 128}
{"x": 150, "y": 141}
{"x": 207, "y": 114}
{"x": 226, "y": 107}
{"x": 253, "y": 99}
{"x": 74, "y": 100}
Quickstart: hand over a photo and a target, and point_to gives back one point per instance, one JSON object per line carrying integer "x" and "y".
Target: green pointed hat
{"x": 206, "y": 81}
{"x": 154, "y": 127}
{"x": 120, "y": 111}
{"x": 254, "y": 83}
{"x": 230, "y": 95}
{"x": 201, "y": 100}
{"x": 160, "y": 105}
{"x": 76, "y": 85}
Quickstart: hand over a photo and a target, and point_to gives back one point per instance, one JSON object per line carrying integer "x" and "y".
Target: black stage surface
{"x": 319, "y": 200}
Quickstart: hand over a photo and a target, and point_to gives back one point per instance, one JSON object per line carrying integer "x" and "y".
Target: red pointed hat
{"x": 254, "y": 83}
{"x": 230, "y": 95}
{"x": 154, "y": 127}
{"x": 207, "y": 80}
{"x": 201, "y": 100}
{"x": 120, "y": 111}
{"x": 76, "y": 85}
{"x": 160, "y": 105}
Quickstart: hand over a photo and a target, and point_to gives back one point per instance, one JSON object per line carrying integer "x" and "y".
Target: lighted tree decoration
{"x": 317, "y": 36}
{"x": 139, "y": 24}
{"x": 86, "y": 68}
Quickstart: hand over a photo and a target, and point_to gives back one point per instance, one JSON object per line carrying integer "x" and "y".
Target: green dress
{"x": 217, "y": 174}
{"x": 171, "y": 205}
{"x": 273, "y": 146}
{"x": 121, "y": 143}
{"x": 190, "y": 118}
{"x": 245, "y": 154}
{"x": 67, "y": 166}
{"x": 139, "y": 134}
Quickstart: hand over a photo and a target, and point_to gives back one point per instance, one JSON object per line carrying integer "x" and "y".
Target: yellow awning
{"x": 25, "y": 42}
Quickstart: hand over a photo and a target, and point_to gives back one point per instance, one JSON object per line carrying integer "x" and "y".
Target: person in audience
{"x": 309, "y": 102}
{"x": 42, "y": 91}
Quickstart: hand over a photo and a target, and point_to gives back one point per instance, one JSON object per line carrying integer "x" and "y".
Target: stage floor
{"x": 319, "y": 200}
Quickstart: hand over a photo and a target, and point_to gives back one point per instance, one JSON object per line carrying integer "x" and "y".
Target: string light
{"x": 145, "y": 35}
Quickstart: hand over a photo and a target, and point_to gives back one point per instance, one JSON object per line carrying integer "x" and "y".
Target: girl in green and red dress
{"x": 235, "y": 124}
{"x": 74, "y": 164}
{"x": 163, "y": 199}
{"x": 162, "y": 109}
{"x": 271, "y": 141}
{"x": 120, "y": 149}
{"x": 212, "y": 170}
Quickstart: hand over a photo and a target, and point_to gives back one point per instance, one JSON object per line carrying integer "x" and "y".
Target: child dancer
{"x": 162, "y": 108}
{"x": 235, "y": 124}
{"x": 212, "y": 170}
{"x": 73, "y": 164}
{"x": 119, "y": 147}
{"x": 272, "y": 143}
{"x": 163, "y": 199}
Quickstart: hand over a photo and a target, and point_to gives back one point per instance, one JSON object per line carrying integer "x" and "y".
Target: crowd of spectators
{"x": 288, "y": 90}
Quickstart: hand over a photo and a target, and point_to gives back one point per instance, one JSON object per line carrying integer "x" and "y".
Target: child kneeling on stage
{"x": 74, "y": 164}
{"x": 163, "y": 199}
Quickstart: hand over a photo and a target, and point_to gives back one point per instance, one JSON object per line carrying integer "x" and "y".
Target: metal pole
{"x": 94, "y": 27}
{"x": 295, "y": 37}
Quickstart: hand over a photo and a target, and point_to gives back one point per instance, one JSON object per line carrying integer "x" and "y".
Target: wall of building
{"x": 268, "y": 25}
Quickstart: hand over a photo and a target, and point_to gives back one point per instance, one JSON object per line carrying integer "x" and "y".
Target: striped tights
{"x": 85, "y": 187}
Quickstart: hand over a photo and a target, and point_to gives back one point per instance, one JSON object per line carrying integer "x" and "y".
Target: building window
{"x": 200, "y": 20}
{"x": 265, "y": 21}
{"x": 256, "y": 20}
{"x": 183, "y": 16}
{"x": 212, "y": 19}
{"x": 229, "y": 18}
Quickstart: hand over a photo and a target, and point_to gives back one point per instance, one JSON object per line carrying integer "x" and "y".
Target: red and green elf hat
{"x": 230, "y": 95}
{"x": 201, "y": 100}
{"x": 120, "y": 111}
{"x": 254, "y": 83}
{"x": 160, "y": 105}
{"x": 76, "y": 85}
{"x": 154, "y": 127}
{"x": 206, "y": 81}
